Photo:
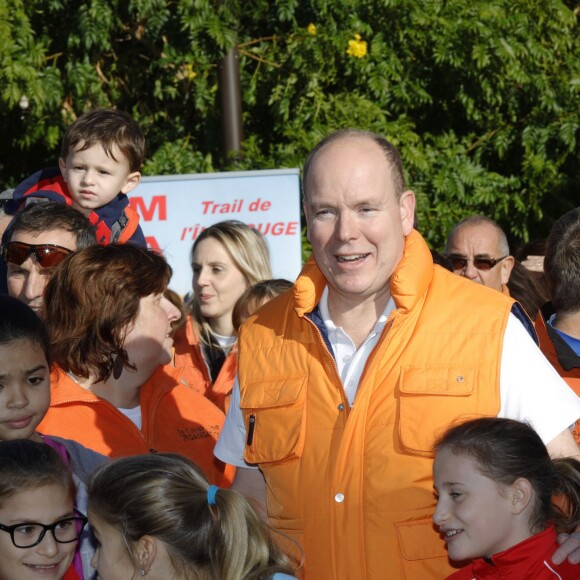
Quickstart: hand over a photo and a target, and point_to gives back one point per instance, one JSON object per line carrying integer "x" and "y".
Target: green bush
{"x": 481, "y": 96}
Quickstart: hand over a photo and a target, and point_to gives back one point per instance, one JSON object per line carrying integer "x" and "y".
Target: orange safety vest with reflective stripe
{"x": 354, "y": 485}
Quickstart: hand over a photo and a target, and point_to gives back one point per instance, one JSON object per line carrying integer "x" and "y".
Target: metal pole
{"x": 231, "y": 98}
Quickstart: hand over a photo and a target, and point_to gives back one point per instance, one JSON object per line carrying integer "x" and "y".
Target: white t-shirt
{"x": 134, "y": 415}
{"x": 226, "y": 342}
{"x": 530, "y": 388}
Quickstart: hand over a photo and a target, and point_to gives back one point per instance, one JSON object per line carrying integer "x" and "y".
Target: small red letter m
{"x": 158, "y": 204}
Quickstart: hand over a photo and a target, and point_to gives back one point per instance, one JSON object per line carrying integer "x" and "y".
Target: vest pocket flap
{"x": 437, "y": 381}
{"x": 272, "y": 394}
{"x": 274, "y": 418}
{"x": 419, "y": 540}
{"x": 430, "y": 399}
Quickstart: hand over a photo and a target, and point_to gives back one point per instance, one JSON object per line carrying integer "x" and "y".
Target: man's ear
{"x": 145, "y": 551}
{"x": 507, "y": 266}
{"x": 133, "y": 180}
{"x": 521, "y": 493}
{"x": 407, "y": 208}
{"x": 307, "y": 217}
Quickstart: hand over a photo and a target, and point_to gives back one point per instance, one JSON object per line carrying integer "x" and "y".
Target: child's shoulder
{"x": 46, "y": 184}
{"x": 83, "y": 460}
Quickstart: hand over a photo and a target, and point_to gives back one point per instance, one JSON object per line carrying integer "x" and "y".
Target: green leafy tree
{"x": 480, "y": 96}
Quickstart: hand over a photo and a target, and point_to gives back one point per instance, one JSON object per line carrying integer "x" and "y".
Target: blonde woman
{"x": 227, "y": 258}
{"x": 156, "y": 515}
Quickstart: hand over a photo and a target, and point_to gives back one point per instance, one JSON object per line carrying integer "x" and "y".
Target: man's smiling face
{"x": 356, "y": 224}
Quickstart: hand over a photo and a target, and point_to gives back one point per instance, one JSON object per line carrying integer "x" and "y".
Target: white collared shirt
{"x": 351, "y": 361}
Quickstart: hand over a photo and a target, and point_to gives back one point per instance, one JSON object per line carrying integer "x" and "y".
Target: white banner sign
{"x": 175, "y": 209}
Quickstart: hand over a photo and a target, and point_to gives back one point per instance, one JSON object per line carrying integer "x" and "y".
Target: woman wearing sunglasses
{"x": 114, "y": 390}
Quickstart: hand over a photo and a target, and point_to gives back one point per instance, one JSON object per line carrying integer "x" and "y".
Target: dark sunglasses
{"x": 47, "y": 255}
{"x": 481, "y": 263}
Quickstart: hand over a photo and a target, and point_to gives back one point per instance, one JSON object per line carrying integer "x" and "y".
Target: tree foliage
{"x": 481, "y": 96}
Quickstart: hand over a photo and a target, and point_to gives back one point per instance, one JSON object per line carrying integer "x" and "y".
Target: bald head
{"x": 391, "y": 155}
{"x": 479, "y": 250}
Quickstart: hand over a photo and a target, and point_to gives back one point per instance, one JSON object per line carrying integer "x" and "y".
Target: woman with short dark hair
{"x": 114, "y": 391}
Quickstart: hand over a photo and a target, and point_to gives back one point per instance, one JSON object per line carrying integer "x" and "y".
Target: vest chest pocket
{"x": 430, "y": 399}
{"x": 274, "y": 417}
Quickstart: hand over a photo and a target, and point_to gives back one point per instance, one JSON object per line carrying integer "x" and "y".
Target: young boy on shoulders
{"x": 100, "y": 161}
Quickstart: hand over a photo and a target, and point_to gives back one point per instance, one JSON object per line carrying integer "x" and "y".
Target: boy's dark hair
{"x": 19, "y": 322}
{"x": 562, "y": 262}
{"x": 45, "y": 216}
{"x": 506, "y": 450}
{"x": 107, "y": 127}
{"x": 26, "y": 464}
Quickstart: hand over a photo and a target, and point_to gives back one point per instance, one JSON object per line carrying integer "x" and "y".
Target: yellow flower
{"x": 189, "y": 72}
{"x": 312, "y": 29}
{"x": 357, "y": 47}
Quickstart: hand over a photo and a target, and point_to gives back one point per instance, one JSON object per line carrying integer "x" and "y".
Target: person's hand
{"x": 569, "y": 548}
{"x": 534, "y": 263}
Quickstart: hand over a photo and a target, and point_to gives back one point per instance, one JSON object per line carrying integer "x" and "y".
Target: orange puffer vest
{"x": 354, "y": 485}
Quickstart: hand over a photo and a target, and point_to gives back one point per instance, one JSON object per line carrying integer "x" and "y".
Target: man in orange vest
{"x": 478, "y": 250}
{"x": 558, "y": 324}
{"x": 346, "y": 380}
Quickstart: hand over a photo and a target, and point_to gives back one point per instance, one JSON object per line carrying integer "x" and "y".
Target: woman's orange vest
{"x": 354, "y": 485}
{"x": 187, "y": 354}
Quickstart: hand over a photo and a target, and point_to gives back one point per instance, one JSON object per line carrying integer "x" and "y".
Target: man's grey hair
{"x": 476, "y": 220}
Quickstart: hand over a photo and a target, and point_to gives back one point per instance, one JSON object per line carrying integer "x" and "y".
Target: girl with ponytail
{"x": 156, "y": 515}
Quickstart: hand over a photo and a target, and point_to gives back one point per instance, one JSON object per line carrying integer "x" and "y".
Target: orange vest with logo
{"x": 174, "y": 420}
{"x": 354, "y": 485}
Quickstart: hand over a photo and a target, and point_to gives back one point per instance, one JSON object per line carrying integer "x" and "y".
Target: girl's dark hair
{"x": 507, "y": 450}
{"x": 19, "y": 322}
{"x": 165, "y": 496}
{"x": 25, "y": 464}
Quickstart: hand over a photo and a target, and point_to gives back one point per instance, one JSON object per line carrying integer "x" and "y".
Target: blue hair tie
{"x": 211, "y": 493}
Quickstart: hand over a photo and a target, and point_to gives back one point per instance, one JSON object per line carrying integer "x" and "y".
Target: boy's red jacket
{"x": 115, "y": 222}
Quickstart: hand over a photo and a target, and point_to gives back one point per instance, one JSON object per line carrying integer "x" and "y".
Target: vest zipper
{"x": 251, "y": 427}
{"x": 333, "y": 367}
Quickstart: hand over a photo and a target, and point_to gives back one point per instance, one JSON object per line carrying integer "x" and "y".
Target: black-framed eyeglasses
{"x": 29, "y": 534}
{"x": 47, "y": 255}
{"x": 480, "y": 262}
